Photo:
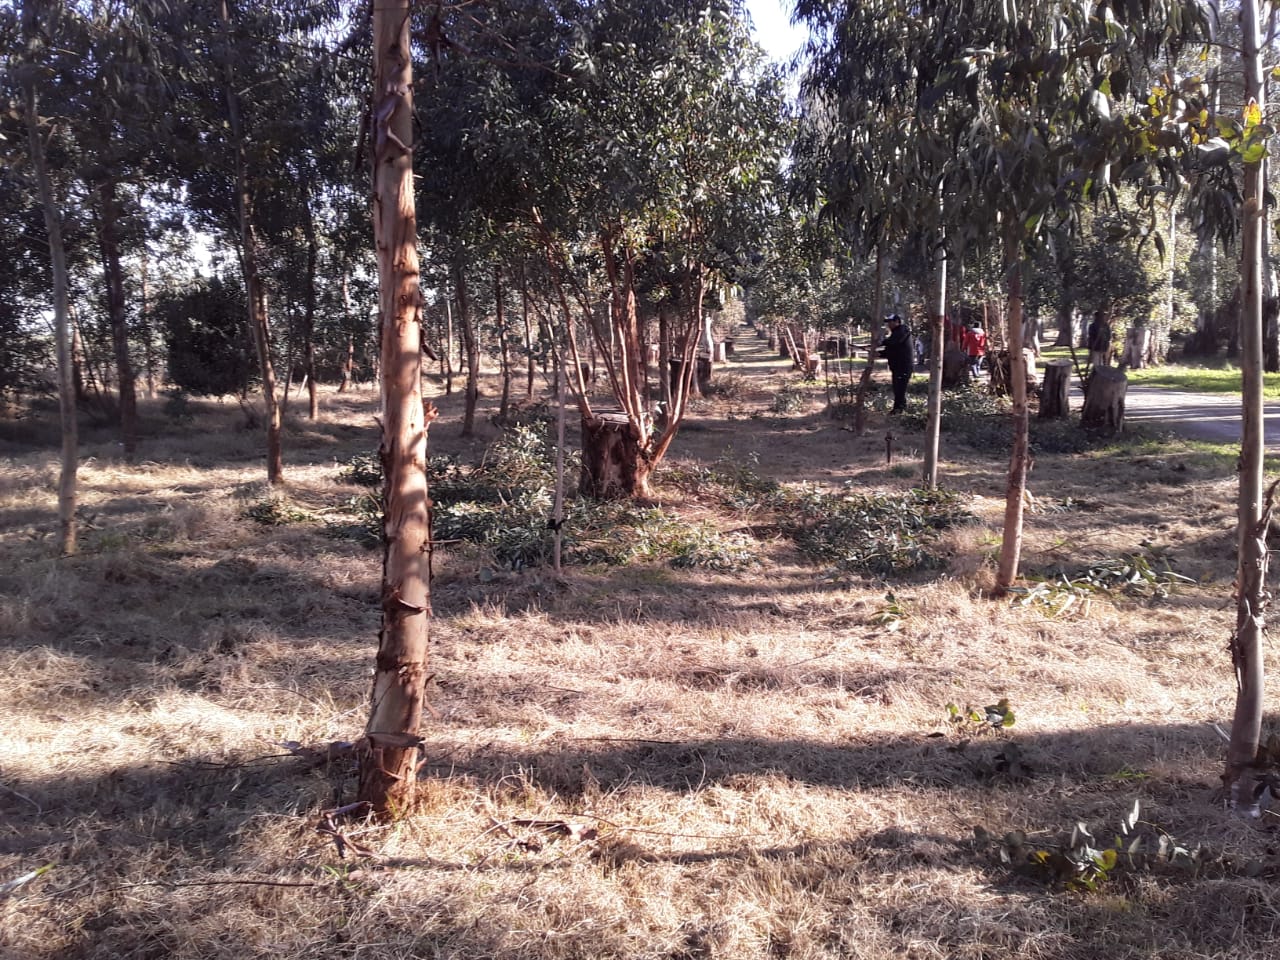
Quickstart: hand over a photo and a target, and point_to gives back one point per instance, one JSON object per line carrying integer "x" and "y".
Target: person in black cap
{"x": 897, "y": 350}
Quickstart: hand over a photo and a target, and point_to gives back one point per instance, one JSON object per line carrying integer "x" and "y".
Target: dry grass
{"x": 757, "y": 752}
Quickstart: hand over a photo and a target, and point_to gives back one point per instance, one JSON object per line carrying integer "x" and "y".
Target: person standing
{"x": 1099, "y": 340}
{"x": 975, "y": 345}
{"x": 897, "y": 351}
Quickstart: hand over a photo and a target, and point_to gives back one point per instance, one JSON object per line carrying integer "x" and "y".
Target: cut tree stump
{"x": 613, "y": 466}
{"x": 1054, "y": 404}
{"x": 1104, "y": 400}
{"x": 955, "y": 367}
{"x": 721, "y": 353}
{"x": 702, "y": 373}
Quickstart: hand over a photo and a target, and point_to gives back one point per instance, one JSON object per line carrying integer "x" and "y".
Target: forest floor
{"x": 636, "y": 760}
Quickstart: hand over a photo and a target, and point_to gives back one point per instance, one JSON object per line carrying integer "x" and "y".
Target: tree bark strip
{"x": 61, "y": 323}
{"x": 389, "y": 758}
{"x": 1247, "y": 642}
{"x": 1015, "y": 495}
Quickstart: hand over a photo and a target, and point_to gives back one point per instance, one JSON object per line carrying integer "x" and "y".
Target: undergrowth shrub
{"x": 503, "y": 506}
{"x": 791, "y": 398}
{"x": 882, "y": 533}
{"x": 275, "y": 512}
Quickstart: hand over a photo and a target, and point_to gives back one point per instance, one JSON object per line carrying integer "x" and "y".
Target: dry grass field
{"x": 630, "y": 761}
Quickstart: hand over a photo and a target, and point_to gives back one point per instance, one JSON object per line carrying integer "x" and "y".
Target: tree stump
{"x": 1054, "y": 403}
{"x": 955, "y": 367}
{"x": 720, "y": 353}
{"x": 703, "y": 375}
{"x": 1104, "y": 399}
{"x": 612, "y": 465}
{"x": 728, "y": 348}
{"x": 675, "y": 374}
{"x": 1136, "y": 344}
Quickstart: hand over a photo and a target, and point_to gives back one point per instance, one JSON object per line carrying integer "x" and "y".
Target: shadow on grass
{"x": 203, "y": 817}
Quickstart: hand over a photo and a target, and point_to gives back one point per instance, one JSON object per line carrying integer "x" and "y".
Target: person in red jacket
{"x": 975, "y": 345}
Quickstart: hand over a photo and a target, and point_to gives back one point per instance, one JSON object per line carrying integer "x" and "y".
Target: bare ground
{"x": 746, "y": 765}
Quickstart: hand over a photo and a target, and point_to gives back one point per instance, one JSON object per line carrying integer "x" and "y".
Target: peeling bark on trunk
{"x": 389, "y": 754}
{"x": 113, "y": 281}
{"x": 1239, "y": 777}
{"x": 1015, "y": 495}
{"x": 61, "y": 322}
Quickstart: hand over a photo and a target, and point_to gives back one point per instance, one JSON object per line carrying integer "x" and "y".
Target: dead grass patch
{"x": 753, "y": 764}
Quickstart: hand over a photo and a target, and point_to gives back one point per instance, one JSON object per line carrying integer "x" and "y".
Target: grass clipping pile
{"x": 657, "y": 755}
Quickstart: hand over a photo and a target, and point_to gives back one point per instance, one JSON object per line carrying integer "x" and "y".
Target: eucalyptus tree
{"x": 240, "y": 73}
{"x": 389, "y": 761}
{"x": 34, "y": 34}
{"x": 667, "y": 131}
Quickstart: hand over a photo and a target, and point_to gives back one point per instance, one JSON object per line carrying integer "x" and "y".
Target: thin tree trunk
{"x": 389, "y": 759}
{"x": 528, "y": 333}
{"x": 349, "y": 355}
{"x": 448, "y": 346}
{"x": 1015, "y": 494}
{"x": 557, "y": 509}
{"x": 113, "y": 281}
{"x": 473, "y": 351}
{"x": 61, "y": 322}
{"x": 147, "y": 346}
{"x": 309, "y": 315}
{"x": 937, "y": 323}
{"x": 259, "y": 316}
{"x": 1247, "y": 642}
{"x": 504, "y": 346}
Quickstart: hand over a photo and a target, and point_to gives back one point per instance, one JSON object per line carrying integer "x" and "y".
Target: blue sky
{"x": 774, "y": 32}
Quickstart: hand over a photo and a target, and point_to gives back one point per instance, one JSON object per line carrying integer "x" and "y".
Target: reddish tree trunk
{"x": 389, "y": 758}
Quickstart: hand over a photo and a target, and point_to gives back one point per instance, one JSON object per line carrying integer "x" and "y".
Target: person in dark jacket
{"x": 897, "y": 350}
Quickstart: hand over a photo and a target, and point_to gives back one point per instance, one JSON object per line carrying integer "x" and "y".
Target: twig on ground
{"x": 22, "y": 796}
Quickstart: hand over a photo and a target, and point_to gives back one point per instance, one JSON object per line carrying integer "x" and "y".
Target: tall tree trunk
{"x": 148, "y": 347}
{"x": 1015, "y": 494}
{"x": 937, "y": 323}
{"x": 531, "y": 368}
{"x": 79, "y": 393}
{"x": 389, "y": 759}
{"x": 473, "y": 351}
{"x": 1246, "y": 644}
{"x": 113, "y": 282}
{"x": 504, "y": 345}
{"x": 259, "y": 316}
{"x": 61, "y": 321}
{"x": 448, "y": 347}
{"x": 349, "y": 355}
{"x": 309, "y": 314}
